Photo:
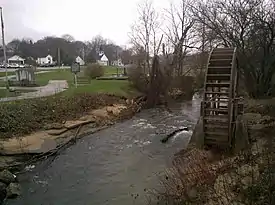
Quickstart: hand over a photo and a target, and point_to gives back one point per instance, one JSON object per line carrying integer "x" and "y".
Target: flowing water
{"x": 113, "y": 166}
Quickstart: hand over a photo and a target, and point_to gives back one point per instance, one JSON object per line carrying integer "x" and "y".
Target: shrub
{"x": 138, "y": 79}
{"x": 94, "y": 70}
{"x": 200, "y": 176}
{"x": 160, "y": 85}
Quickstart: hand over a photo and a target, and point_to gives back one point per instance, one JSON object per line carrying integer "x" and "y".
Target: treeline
{"x": 69, "y": 49}
{"x": 198, "y": 26}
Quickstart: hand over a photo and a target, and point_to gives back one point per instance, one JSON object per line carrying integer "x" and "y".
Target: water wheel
{"x": 219, "y": 109}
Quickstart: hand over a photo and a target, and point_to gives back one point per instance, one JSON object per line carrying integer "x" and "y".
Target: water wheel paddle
{"x": 219, "y": 106}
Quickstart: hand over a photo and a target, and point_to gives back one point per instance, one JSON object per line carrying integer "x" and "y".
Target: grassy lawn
{"x": 2, "y": 83}
{"x": 3, "y": 74}
{"x": 43, "y": 78}
{"x": 52, "y": 68}
{"x": 4, "y": 93}
{"x": 116, "y": 87}
{"x": 110, "y": 70}
{"x": 61, "y": 74}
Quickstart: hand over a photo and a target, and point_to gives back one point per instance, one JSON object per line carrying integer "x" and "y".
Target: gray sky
{"x": 83, "y": 19}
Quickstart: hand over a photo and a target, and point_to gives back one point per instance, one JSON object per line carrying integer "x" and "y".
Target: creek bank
{"x": 212, "y": 177}
{"x": 19, "y": 153}
{"x": 9, "y": 188}
{"x": 55, "y": 134}
{"x": 20, "y": 118}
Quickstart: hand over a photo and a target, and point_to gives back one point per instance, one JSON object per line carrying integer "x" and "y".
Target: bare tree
{"x": 145, "y": 30}
{"x": 68, "y": 37}
{"x": 248, "y": 25}
{"x": 179, "y": 31}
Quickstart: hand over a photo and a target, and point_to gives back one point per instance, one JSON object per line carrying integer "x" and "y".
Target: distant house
{"x": 48, "y": 60}
{"x": 79, "y": 60}
{"x": 16, "y": 60}
{"x": 103, "y": 60}
{"x": 118, "y": 63}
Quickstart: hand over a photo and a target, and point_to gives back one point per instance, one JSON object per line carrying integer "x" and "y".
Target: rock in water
{"x": 13, "y": 190}
{"x": 3, "y": 192}
{"x": 7, "y": 177}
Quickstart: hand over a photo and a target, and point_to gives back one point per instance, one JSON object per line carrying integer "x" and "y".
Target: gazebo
{"x": 25, "y": 76}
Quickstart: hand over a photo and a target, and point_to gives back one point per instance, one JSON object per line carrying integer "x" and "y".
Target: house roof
{"x": 45, "y": 56}
{"x": 103, "y": 57}
{"x": 16, "y": 58}
{"x": 78, "y": 57}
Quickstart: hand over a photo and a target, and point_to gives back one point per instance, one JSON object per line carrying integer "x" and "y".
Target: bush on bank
{"x": 19, "y": 118}
{"x": 94, "y": 70}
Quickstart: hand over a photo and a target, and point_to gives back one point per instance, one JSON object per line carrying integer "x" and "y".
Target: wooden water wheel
{"x": 219, "y": 109}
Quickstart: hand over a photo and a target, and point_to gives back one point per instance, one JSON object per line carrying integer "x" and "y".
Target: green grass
{"x": 53, "y": 68}
{"x": 3, "y": 74}
{"x": 110, "y": 70}
{"x": 5, "y": 93}
{"x": 116, "y": 87}
{"x": 43, "y": 78}
{"x": 2, "y": 83}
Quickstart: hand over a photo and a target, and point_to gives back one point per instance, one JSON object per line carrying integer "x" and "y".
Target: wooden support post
{"x": 75, "y": 80}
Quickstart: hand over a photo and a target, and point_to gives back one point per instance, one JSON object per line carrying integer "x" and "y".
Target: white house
{"x": 79, "y": 60}
{"x": 16, "y": 60}
{"x": 118, "y": 63}
{"x": 45, "y": 60}
{"x": 103, "y": 60}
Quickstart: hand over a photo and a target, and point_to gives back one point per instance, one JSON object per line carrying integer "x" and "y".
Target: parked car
{"x": 13, "y": 65}
{"x": 47, "y": 65}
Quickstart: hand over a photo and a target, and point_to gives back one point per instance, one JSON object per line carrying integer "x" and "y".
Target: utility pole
{"x": 58, "y": 54}
{"x": 117, "y": 64}
{"x": 83, "y": 54}
{"x": 4, "y": 48}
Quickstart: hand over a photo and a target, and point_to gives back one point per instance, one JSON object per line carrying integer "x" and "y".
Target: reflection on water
{"x": 113, "y": 166}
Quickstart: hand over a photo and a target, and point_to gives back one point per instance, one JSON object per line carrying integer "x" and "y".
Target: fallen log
{"x": 165, "y": 139}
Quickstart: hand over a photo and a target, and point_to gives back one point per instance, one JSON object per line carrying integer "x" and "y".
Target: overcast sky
{"x": 83, "y": 19}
